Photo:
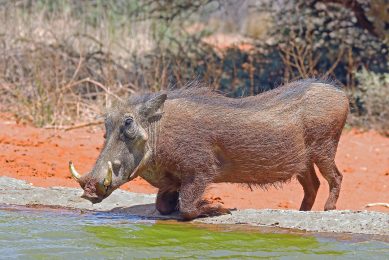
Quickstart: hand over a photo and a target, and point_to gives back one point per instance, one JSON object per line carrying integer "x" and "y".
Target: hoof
{"x": 215, "y": 211}
{"x": 187, "y": 216}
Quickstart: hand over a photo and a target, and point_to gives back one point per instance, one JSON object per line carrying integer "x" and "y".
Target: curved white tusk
{"x": 144, "y": 135}
{"x": 108, "y": 179}
{"x": 73, "y": 171}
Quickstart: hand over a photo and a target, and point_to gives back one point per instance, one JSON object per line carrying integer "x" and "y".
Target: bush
{"x": 372, "y": 101}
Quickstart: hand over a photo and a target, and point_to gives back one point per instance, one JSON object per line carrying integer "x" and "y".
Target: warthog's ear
{"x": 150, "y": 107}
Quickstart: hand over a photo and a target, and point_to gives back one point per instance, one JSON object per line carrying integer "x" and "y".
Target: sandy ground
{"x": 40, "y": 156}
{"x": 18, "y": 192}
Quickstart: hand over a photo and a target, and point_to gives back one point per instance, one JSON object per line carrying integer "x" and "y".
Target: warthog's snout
{"x": 94, "y": 191}
{"x": 92, "y": 198}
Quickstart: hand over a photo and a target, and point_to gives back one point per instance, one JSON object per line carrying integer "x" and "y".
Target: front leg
{"x": 191, "y": 200}
{"x": 167, "y": 202}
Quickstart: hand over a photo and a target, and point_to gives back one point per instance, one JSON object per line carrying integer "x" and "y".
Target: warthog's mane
{"x": 200, "y": 93}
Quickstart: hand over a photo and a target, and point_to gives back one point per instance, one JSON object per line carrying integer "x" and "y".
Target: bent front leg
{"x": 167, "y": 202}
{"x": 191, "y": 201}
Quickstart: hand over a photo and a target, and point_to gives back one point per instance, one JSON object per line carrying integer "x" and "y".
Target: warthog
{"x": 180, "y": 141}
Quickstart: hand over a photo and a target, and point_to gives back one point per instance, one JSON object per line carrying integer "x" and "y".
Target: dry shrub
{"x": 65, "y": 61}
{"x": 371, "y": 101}
{"x": 301, "y": 57}
{"x": 55, "y": 69}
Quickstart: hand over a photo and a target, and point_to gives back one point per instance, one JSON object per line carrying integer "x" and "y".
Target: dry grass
{"x": 63, "y": 62}
{"x": 59, "y": 68}
{"x": 55, "y": 69}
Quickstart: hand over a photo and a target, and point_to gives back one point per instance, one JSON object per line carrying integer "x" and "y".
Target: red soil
{"x": 41, "y": 156}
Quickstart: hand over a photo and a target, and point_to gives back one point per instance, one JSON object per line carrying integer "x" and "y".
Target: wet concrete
{"x": 18, "y": 192}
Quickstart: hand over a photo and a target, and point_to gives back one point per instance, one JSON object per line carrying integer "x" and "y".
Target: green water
{"x": 52, "y": 234}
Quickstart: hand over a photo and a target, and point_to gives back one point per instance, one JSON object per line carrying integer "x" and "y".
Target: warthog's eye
{"x": 128, "y": 121}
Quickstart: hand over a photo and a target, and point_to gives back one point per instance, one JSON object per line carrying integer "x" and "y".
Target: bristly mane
{"x": 199, "y": 92}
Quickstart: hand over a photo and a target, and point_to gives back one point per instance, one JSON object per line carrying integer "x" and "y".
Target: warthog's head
{"x": 126, "y": 150}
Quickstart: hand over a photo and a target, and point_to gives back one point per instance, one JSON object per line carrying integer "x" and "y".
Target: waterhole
{"x": 31, "y": 233}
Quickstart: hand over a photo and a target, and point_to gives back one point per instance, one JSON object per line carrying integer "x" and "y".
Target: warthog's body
{"x": 203, "y": 137}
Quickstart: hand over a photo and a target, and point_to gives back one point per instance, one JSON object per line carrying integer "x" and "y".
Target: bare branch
{"x": 359, "y": 13}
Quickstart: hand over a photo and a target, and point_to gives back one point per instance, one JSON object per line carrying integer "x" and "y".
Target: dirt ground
{"x": 41, "y": 156}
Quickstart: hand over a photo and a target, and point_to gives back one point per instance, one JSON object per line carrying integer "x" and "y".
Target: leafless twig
{"x": 377, "y": 204}
{"x": 72, "y": 127}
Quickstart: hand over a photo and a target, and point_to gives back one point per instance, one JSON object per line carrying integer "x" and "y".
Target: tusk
{"x": 73, "y": 171}
{"x": 141, "y": 165}
{"x": 144, "y": 135}
{"x": 108, "y": 179}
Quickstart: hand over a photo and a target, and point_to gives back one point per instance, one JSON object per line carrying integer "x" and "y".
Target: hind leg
{"x": 310, "y": 184}
{"x": 334, "y": 178}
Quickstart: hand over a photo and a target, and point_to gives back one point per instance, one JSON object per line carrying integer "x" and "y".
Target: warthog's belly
{"x": 257, "y": 177}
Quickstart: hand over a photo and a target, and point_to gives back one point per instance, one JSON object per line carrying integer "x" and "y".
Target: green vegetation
{"x": 192, "y": 240}
{"x": 65, "y": 61}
